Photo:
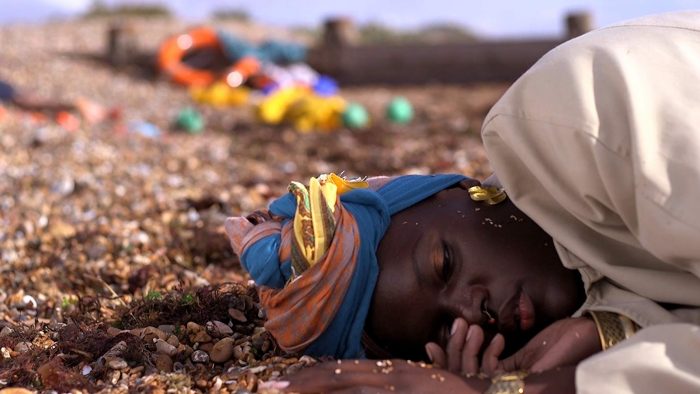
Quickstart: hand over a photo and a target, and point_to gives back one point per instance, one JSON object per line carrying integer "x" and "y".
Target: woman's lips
{"x": 517, "y": 313}
{"x": 526, "y": 311}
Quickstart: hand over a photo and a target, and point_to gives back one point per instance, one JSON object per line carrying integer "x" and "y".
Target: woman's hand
{"x": 565, "y": 342}
{"x": 461, "y": 356}
{"x": 399, "y": 376}
{"x": 385, "y": 376}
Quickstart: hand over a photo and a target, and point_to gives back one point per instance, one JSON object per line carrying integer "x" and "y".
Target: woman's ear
{"x": 236, "y": 229}
{"x": 469, "y": 182}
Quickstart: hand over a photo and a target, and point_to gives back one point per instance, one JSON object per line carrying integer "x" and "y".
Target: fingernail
{"x": 430, "y": 355}
{"x": 455, "y": 326}
{"x": 469, "y": 332}
{"x": 274, "y": 385}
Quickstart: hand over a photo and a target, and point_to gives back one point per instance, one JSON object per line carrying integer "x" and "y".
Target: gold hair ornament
{"x": 490, "y": 195}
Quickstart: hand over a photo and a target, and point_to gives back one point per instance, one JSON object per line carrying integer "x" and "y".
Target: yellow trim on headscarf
{"x": 321, "y": 195}
{"x": 314, "y": 224}
{"x": 344, "y": 185}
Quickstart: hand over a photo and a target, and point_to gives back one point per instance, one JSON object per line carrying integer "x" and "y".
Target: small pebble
{"x": 163, "y": 362}
{"x": 222, "y": 350}
{"x": 237, "y": 315}
{"x": 29, "y": 302}
{"x": 165, "y": 348}
{"x": 199, "y": 356}
{"x": 117, "y": 363}
{"x": 218, "y": 329}
{"x": 22, "y": 347}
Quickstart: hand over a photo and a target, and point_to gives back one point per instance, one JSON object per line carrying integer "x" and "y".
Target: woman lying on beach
{"x": 577, "y": 269}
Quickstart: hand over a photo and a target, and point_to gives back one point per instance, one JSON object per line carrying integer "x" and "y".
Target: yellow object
{"x": 491, "y": 195}
{"x": 316, "y": 113}
{"x": 220, "y": 94}
{"x": 303, "y": 109}
{"x": 273, "y": 109}
{"x": 343, "y": 185}
{"x": 508, "y": 383}
{"x": 314, "y": 223}
{"x": 612, "y": 327}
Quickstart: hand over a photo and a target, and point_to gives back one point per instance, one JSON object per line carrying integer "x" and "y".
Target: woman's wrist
{"x": 558, "y": 380}
{"x": 612, "y": 327}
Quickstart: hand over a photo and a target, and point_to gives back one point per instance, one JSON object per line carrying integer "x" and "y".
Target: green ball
{"x": 190, "y": 120}
{"x": 355, "y": 116}
{"x": 399, "y": 110}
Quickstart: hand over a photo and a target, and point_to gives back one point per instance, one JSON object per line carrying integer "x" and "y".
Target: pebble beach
{"x": 117, "y": 275}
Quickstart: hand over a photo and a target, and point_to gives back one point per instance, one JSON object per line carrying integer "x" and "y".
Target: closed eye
{"x": 446, "y": 268}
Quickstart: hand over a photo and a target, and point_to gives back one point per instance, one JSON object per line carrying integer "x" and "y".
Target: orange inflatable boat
{"x": 174, "y": 49}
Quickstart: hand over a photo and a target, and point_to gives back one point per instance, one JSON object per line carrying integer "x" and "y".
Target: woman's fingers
{"x": 462, "y": 352}
{"x": 458, "y": 335}
{"x": 470, "y": 355}
{"x": 490, "y": 363}
{"x": 436, "y": 355}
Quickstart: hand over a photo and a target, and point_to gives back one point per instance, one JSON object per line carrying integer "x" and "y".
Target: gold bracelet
{"x": 508, "y": 383}
{"x": 612, "y": 327}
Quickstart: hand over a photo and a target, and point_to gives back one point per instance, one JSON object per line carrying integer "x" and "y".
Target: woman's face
{"x": 450, "y": 257}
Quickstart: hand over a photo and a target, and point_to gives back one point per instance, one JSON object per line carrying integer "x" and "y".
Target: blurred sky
{"x": 492, "y": 18}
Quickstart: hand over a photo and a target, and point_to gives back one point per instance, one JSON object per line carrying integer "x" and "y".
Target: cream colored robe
{"x": 599, "y": 142}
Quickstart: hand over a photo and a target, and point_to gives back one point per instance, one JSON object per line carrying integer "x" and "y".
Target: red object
{"x": 36, "y": 117}
{"x": 68, "y": 121}
{"x": 115, "y": 114}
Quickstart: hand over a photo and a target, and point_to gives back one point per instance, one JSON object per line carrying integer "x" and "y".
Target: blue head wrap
{"x": 368, "y": 211}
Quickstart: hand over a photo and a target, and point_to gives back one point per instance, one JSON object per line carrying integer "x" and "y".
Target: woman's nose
{"x": 469, "y": 303}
